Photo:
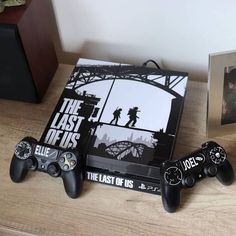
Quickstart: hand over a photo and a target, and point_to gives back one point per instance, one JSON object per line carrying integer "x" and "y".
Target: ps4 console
{"x": 117, "y": 124}
{"x": 123, "y": 118}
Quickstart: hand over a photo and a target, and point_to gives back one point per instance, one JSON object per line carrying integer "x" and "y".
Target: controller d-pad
{"x": 173, "y": 175}
{"x": 67, "y": 161}
{"x": 23, "y": 150}
{"x": 217, "y": 155}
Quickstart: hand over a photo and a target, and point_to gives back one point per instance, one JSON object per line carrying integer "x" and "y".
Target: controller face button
{"x": 217, "y": 155}
{"x": 173, "y": 175}
{"x": 23, "y": 150}
{"x": 72, "y": 163}
{"x": 62, "y": 159}
{"x": 68, "y": 155}
{"x": 66, "y": 167}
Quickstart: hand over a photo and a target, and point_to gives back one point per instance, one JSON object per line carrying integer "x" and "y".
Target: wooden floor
{"x": 39, "y": 205}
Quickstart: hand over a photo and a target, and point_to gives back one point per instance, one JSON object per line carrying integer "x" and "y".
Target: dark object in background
{"x": 27, "y": 56}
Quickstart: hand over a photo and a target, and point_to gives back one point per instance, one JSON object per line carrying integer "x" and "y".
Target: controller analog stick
{"x": 211, "y": 170}
{"x": 189, "y": 181}
{"x": 53, "y": 170}
{"x": 30, "y": 164}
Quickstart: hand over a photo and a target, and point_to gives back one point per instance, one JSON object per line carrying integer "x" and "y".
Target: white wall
{"x": 179, "y": 34}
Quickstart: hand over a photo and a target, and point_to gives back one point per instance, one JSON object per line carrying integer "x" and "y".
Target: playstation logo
{"x": 142, "y": 186}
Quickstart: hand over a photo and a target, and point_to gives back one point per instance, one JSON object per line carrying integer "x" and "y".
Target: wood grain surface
{"x": 39, "y": 205}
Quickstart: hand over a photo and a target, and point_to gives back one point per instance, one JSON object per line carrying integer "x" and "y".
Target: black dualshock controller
{"x": 210, "y": 160}
{"x": 32, "y": 155}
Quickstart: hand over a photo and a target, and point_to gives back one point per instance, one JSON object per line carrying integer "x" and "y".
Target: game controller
{"x": 210, "y": 160}
{"x": 32, "y": 155}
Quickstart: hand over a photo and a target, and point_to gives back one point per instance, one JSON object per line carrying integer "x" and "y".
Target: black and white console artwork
{"x": 125, "y": 113}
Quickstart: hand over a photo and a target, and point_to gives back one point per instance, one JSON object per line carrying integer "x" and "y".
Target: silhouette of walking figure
{"x": 132, "y": 116}
{"x": 116, "y": 115}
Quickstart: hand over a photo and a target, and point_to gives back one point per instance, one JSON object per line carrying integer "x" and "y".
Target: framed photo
{"x": 221, "y": 118}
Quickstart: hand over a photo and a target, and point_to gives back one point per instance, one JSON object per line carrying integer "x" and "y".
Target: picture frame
{"x": 221, "y": 106}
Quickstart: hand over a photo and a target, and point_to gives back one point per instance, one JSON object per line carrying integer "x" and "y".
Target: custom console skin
{"x": 32, "y": 155}
{"x": 209, "y": 161}
{"x": 123, "y": 118}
